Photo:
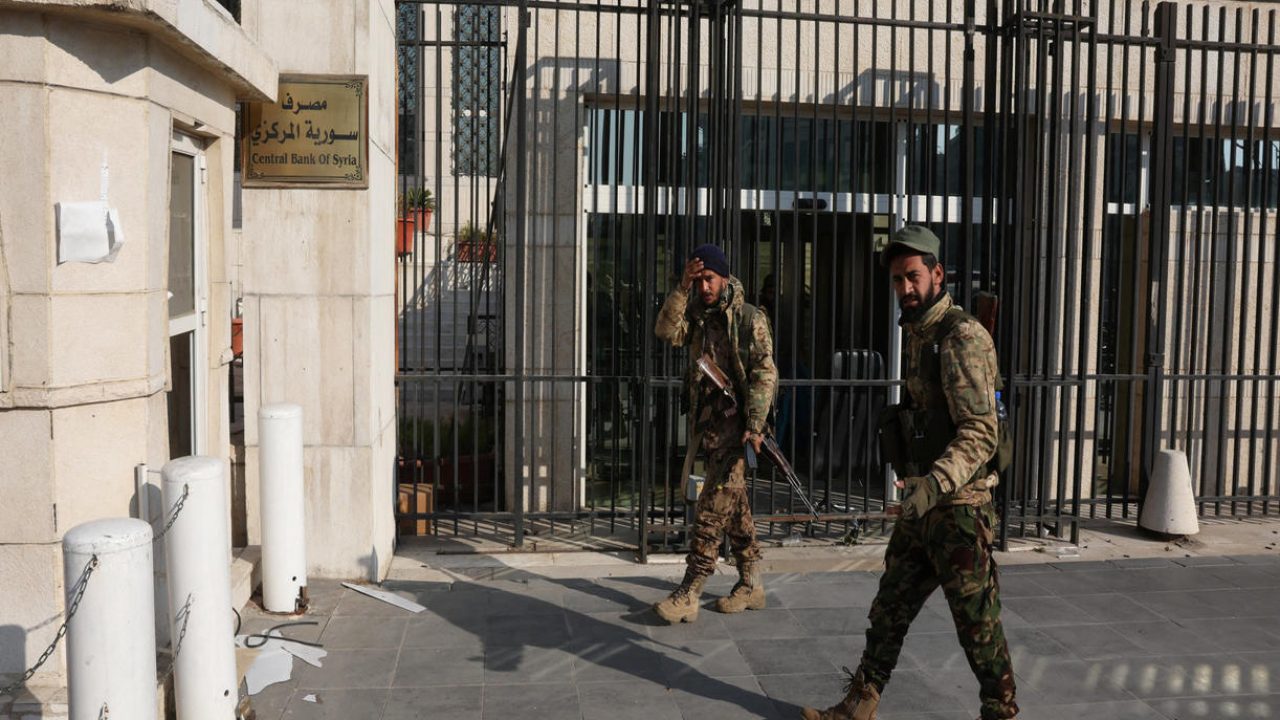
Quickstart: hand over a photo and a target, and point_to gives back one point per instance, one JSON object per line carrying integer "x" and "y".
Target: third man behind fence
{"x": 943, "y": 443}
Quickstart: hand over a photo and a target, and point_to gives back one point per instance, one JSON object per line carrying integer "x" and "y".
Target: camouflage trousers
{"x": 950, "y": 546}
{"x": 722, "y": 509}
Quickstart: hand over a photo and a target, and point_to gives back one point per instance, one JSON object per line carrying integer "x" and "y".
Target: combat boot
{"x": 682, "y": 604}
{"x": 860, "y": 702}
{"x": 747, "y": 594}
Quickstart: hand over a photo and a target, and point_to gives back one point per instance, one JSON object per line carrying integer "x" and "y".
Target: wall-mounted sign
{"x": 316, "y": 134}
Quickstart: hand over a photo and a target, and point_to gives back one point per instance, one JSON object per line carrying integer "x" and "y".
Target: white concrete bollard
{"x": 283, "y": 505}
{"x": 1170, "y": 505}
{"x": 198, "y": 554}
{"x": 111, "y": 642}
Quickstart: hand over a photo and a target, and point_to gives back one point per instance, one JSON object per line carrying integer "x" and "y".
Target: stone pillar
{"x": 318, "y": 288}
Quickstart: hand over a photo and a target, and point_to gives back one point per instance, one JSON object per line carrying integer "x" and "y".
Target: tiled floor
{"x": 1149, "y": 641}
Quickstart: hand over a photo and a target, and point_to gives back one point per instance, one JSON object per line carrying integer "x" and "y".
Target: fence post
{"x": 198, "y": 559}
{"x": 521, "y": 284}
{"x": 111, "y": 642}
{"x": 1158, "y": 241}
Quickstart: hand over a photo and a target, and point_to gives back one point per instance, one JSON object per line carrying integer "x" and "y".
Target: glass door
{"x": 187, "y": 299}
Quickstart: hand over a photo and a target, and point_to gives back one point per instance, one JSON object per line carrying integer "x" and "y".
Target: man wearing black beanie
{"x": 708, "y": 312}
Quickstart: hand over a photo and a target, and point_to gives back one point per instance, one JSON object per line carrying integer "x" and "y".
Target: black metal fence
{"x": 1110, "y": 174}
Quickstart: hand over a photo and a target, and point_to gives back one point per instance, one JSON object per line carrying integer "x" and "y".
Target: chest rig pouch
{"x": 745, "y": 317}
{"x": 912, "y": 438}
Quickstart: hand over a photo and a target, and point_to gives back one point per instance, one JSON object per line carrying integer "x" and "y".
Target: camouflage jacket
{"x": 756, "y": 377}
{"x": 967, "y": 387}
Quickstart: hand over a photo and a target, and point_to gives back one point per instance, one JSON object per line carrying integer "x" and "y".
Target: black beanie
{"x": 712, "y": 258}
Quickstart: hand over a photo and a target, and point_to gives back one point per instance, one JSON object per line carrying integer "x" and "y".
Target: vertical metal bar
{"x": 1106, "y": 388}
{"x": 1269, "y": 150}
{"x": 640, "y": 466}
{"x": 1016, "y": 70}
{"x": 1197, "y": 295}
{"x": 1135, "y": 313}
{"x": 1161, "y": 177}
{"x": 993, "y": 128}
{"x": 1245, "y": 306}
{"x": 1184, "y": 268}
{"x": 968, "y": 159}
{"x": 1055, "y": 240}
{"x": 653, "y": 67}
{"x": 1086, "y": 260}
{"x": 551, "y": 249}
{"x": 1230, "y": 297}
{"x": 522, "y": 212}
{"x": 1214, "y": 285}
{"x": 434, "y": 382}
{"x": 832, "y": 328}
{"x": 1075, "y": 255}
{"x": 867, "y": 316}
{"x": 1043, "y": 237}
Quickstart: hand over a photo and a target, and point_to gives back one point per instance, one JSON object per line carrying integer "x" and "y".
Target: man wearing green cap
{"x": 942, "y": 443}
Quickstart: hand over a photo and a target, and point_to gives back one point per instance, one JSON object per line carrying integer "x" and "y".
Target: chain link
{"x": 75, "y": 602}
{"x": 177, "y": 510}
{"x": 82, "y": 583}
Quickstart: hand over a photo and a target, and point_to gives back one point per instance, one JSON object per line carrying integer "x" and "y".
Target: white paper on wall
{"x": 88, "y": 232}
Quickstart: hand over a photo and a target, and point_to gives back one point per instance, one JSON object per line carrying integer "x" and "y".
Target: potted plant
{"x": 416, "y": 206}
{"x": 476, "y": 245}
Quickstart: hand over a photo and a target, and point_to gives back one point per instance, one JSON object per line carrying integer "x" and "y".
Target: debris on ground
{"x": 386, "y": 597}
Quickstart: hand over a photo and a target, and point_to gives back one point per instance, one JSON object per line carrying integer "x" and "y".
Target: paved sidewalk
{"x": 1124, "y": 639}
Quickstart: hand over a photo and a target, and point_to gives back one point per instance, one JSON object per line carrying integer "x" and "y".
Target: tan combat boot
{"x": 860, "y": 702}
{"x": 748, "y": 594}
{"x": 682, "y": 604}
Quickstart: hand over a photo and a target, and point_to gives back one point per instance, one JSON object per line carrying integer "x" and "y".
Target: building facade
{"x": 1106, "y": 170}
{"x": 111, "y": 361}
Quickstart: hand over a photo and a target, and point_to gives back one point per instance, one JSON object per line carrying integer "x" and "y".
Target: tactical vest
{"x": 912, "y": 438}
{"x": 746, "y": 317}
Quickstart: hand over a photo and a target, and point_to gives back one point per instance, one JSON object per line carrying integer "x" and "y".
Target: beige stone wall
{"x": 318, "y": 284}
{"x": 84, "y": 365}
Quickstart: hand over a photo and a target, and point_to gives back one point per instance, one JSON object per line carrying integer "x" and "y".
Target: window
{"x": 407, "y": 56}
{"x": 232, "y": 6}
{"x": 1226, "y": 172}
{"x": 477, "y": 91}
{"x": 776, "y": 152}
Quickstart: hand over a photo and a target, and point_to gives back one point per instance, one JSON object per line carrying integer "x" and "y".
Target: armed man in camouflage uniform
{"x": 708, "y": 312}
{"x": 942, "y": 443}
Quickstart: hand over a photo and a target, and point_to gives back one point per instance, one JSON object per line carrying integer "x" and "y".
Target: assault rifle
{"x": 769, "y": 448}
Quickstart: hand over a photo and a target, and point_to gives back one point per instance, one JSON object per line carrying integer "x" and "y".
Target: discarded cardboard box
{"x": 417, "y": 496}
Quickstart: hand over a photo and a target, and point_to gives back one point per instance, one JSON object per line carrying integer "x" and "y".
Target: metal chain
{"x": 177, "y": 509}
{"x": 83, "y": 582}
{"x": 75, "y": 602}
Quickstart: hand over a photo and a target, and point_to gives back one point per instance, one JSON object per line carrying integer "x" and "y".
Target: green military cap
{"x": 917, "y": 237}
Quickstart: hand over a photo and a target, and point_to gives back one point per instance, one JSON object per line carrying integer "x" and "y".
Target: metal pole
{"x": 653, "y": 79}
{"x": 198, "y": 554}
{"x": 111, "y": 643}
{"x": 521, "y": 283}
{"x": 1161, "y": 172}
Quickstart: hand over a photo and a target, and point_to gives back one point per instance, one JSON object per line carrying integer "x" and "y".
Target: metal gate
{"x": 1107, "y": 173}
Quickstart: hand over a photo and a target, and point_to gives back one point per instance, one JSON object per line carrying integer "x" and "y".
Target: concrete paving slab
{"x": 459, "y": 702}
{"x": 571, "y": 636}
{"x": 336, "y": 704}
{"x": 553, "y": 701}
{"x": 626, "y": 700}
